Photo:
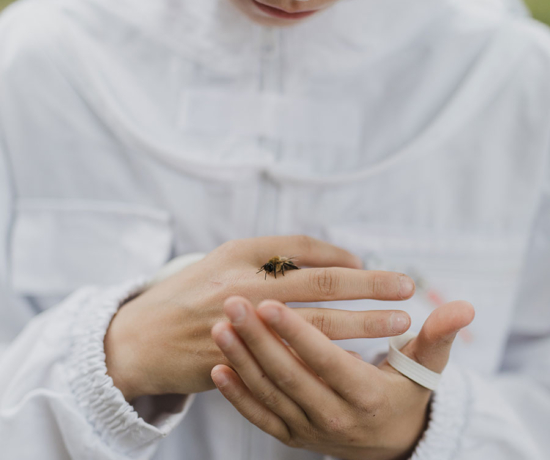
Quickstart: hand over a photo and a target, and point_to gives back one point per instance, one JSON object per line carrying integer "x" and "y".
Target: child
{"x": 413, "y": 135}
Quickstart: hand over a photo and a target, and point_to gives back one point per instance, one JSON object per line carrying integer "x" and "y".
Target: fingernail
{"x": 407, "y": 287}
{"x": 270, "y": 314}
{"x": 220, "y": 379}
{"x": 224, "y": 339}
{"x": 236, "y": 313}
{"x": 399, "y": 322}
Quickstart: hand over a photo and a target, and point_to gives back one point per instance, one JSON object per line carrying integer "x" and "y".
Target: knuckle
{"x": 305, "y": 242}
{"x": 339, "y": 425}
{"x": 320, "y": 321}
{"x": 294, "y": 441}
{"x": 285, "y": 379}
{"x": 372, "y": 402}
{"x": 269, "y": 397}
{"x": 368, "y": 326}
{"x": 310, "y": 434}
{"x": 324, "y": 282}
{"x": 374, "y": 327}
{"x": 430, "y": 335}
{"x": 259, "y": 417}
{"x": 230, "y": 246}
{"x": 377, "y": 285}
{"x": 239, "y": 399}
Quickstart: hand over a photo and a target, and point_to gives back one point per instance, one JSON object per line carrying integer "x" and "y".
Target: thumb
{"x": 433, "y": 345}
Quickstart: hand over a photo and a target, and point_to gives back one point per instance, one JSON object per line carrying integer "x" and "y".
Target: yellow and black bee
{"x": 278, "y": 264}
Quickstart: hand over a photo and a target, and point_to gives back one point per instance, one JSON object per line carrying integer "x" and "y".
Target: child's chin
{"x": 248, "y": 8}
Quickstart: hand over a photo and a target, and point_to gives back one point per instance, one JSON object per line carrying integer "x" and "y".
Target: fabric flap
{"x": 59, "y": 246}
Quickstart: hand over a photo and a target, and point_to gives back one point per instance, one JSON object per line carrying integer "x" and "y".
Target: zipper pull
{"x": 269, "y": 42}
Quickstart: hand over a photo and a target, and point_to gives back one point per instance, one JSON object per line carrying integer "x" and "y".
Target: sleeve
{"x": 507, "y": 416}
{"x": 56, "y": 400}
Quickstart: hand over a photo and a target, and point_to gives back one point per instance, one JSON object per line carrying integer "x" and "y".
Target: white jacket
{"x": 414, "y": 133}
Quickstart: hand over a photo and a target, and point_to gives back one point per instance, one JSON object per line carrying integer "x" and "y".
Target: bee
{"x": 278, "y": 263}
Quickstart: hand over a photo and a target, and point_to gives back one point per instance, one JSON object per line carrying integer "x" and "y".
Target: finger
{"x": 254, "y": 377}
{"x": 283, "y": 369}
{"x": 343, "y": 324}
{"x": 329, "y": 284}
{"x": 355, "y": 354}
{"x": 234, "y": 390}
{"x": 433, "y": 345}
{"x": 335, "y": 366}
{"x": 351, "y": 353}
{"x": 306, "y": 251}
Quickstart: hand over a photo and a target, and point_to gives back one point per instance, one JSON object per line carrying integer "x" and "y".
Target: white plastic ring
{"x": 408, "y": 367}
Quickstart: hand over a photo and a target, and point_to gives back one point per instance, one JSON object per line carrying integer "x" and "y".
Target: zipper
{"x": 269, "y": 81}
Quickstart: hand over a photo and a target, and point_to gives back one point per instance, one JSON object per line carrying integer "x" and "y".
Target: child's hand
{"x": 160, "y": 342}
{"x": 319, "y": 397}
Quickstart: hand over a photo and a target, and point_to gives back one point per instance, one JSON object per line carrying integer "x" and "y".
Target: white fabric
{"x": 408, "y": 367}
{"x": 416, "y": 134}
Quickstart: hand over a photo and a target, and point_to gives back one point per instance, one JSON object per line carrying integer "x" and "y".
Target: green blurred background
{"x": 540, "y": 8}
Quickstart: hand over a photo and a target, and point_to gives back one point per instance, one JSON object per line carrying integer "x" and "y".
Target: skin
{"x": 160, "y": 343}
{"x": 291, "y": 6}
{"x": 310, "y": 394}
{"x": 316, "y": 396}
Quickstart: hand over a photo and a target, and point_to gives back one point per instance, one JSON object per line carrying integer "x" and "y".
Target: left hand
{"x": 317, "y": 396}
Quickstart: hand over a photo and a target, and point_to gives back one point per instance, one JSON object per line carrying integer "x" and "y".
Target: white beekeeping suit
{"x": 414, "y": 133}
{"x": 513, "y": 6}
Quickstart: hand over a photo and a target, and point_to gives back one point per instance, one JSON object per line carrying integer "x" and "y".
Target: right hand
{"x": 160, "y": 342}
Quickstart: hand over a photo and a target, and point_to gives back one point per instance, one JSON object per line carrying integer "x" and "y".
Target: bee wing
{"x": 290, "y": 266}
{"x": 283, "y": 259}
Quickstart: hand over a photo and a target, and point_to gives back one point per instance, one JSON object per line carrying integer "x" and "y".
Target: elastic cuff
{"x": 450, "y": 408}
{"x": 114, "y": 420}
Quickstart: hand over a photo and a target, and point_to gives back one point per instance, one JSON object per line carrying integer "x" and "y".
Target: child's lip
{"x": 278, "y": 13}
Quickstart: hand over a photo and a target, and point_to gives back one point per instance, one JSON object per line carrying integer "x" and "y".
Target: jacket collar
{"x": 214, "y": 33}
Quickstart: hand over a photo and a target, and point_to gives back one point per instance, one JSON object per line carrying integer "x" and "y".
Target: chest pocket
{"x": 58, "y": 247}
{"x": 482, "y": 270}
